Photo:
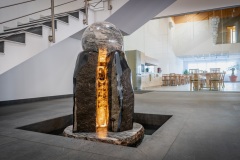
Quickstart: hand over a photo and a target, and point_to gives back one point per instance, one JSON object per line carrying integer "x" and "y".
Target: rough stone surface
{"x": 126, "y": 138}
{"x": 84, "y": 109}
{"x": 102, "y": 35}
{"x": 128, "y": 101}
{"x": 121, "y": 116}
{"x": 113, "y": 97}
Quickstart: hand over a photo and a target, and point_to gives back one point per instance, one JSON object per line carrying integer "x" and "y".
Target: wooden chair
{"x": 172, "y": 79}
{"x": 215, "y": 81}
{"x": 208, "y": 77}
{"x": 195, "y": 82}
{"x": 187, "y": 79}
{"x": 183, "y": 79}
{"x": 178, "y": 79}
{"x": 165, "y": 80}
{"x": 222, "y": 79}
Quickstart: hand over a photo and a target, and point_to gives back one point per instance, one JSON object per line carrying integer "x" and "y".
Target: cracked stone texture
{"x": 126, "y": 119}
{"x": 113, "y": 97}
{"x": 84, "y": 93}
{"x": 128, "y": 101}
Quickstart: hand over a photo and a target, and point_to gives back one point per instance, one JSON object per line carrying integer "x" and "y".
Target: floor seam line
{"x": 175, "y": 138}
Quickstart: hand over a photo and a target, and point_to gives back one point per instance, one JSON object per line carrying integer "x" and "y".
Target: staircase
{"x": 32, "y": 67}
{"x": 28, "y": 39}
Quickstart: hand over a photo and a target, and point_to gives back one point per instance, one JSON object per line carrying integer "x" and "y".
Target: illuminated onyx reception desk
{"x": 103, "y": 95}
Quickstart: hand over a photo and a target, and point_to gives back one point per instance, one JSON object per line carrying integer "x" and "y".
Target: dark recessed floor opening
{"x": 150, "y": 122}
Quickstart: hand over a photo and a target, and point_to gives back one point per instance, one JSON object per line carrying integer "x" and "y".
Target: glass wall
{"x": 224, "y": 65}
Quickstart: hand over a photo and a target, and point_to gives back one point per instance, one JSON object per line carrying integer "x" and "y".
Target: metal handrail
{"x": 52, "y": 37}
{"x": 96, "y": 3}
{"x": 85, "y": 21}
{"x": 16, "y": 4}
{"x": 36, "y": 12}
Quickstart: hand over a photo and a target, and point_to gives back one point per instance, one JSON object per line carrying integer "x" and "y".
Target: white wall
{"x": 154, "y": 39}
{"x": 195, "y": 38}
{"x": 47, "y": 74}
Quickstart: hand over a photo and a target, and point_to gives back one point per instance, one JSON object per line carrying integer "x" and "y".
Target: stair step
{"x": 20, "y": 28}
{"x": 60, "y": 15}
{"x": 49, "y": 24}
{"x": 64, "y": 19}
{"x": 36, "y": 23}
{"x": 50, "y": 16}
{"x": 35, "y": 30}
{"x": 33, "y": 23}
{"x": 83, "y": 10}
{"x": 40, "y": 21}
{"x": 21, "y": 38}
{"x": 5, "y": 34}
{"x": 74, "y": 14}
{"x": 18, "y": 36}
{"x": 47, "y": 18}
{"x": 2, "y": 47}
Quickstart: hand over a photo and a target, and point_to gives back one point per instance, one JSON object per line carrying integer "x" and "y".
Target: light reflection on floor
{"x": 233, "y": 87}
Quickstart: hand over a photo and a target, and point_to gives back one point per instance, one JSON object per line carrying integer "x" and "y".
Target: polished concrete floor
{"x": 204, "y": 126}
{"x": 229, "y": 87}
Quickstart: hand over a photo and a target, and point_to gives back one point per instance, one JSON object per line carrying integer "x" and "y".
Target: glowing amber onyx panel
{"x": 102, "y": 107}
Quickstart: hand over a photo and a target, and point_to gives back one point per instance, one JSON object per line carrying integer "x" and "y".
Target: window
{"x": 205, "y": 66}
{"x": 231, "y": 34}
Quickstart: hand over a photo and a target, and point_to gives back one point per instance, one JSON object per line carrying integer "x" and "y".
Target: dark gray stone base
{"x": 125, "y": 138}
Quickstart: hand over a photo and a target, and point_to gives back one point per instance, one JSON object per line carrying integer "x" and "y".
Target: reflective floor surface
{"x": 232, "y": 87}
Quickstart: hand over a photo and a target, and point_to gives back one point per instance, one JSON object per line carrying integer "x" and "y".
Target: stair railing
{"x": 36, "y": 12}
{"x": 16, "y": 4}
{"x": 52, "y": 37}
{"x": 109, "y": 4}
{"x": 85, "y": 21}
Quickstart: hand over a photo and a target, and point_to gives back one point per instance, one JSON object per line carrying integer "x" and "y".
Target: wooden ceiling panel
{"x": 231, "y": 12}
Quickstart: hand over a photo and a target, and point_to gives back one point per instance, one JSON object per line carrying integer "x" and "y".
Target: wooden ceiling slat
{"x": 231, "y": 12}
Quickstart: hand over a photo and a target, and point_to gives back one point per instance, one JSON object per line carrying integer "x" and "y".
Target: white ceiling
{"x": 188, "y": 6}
